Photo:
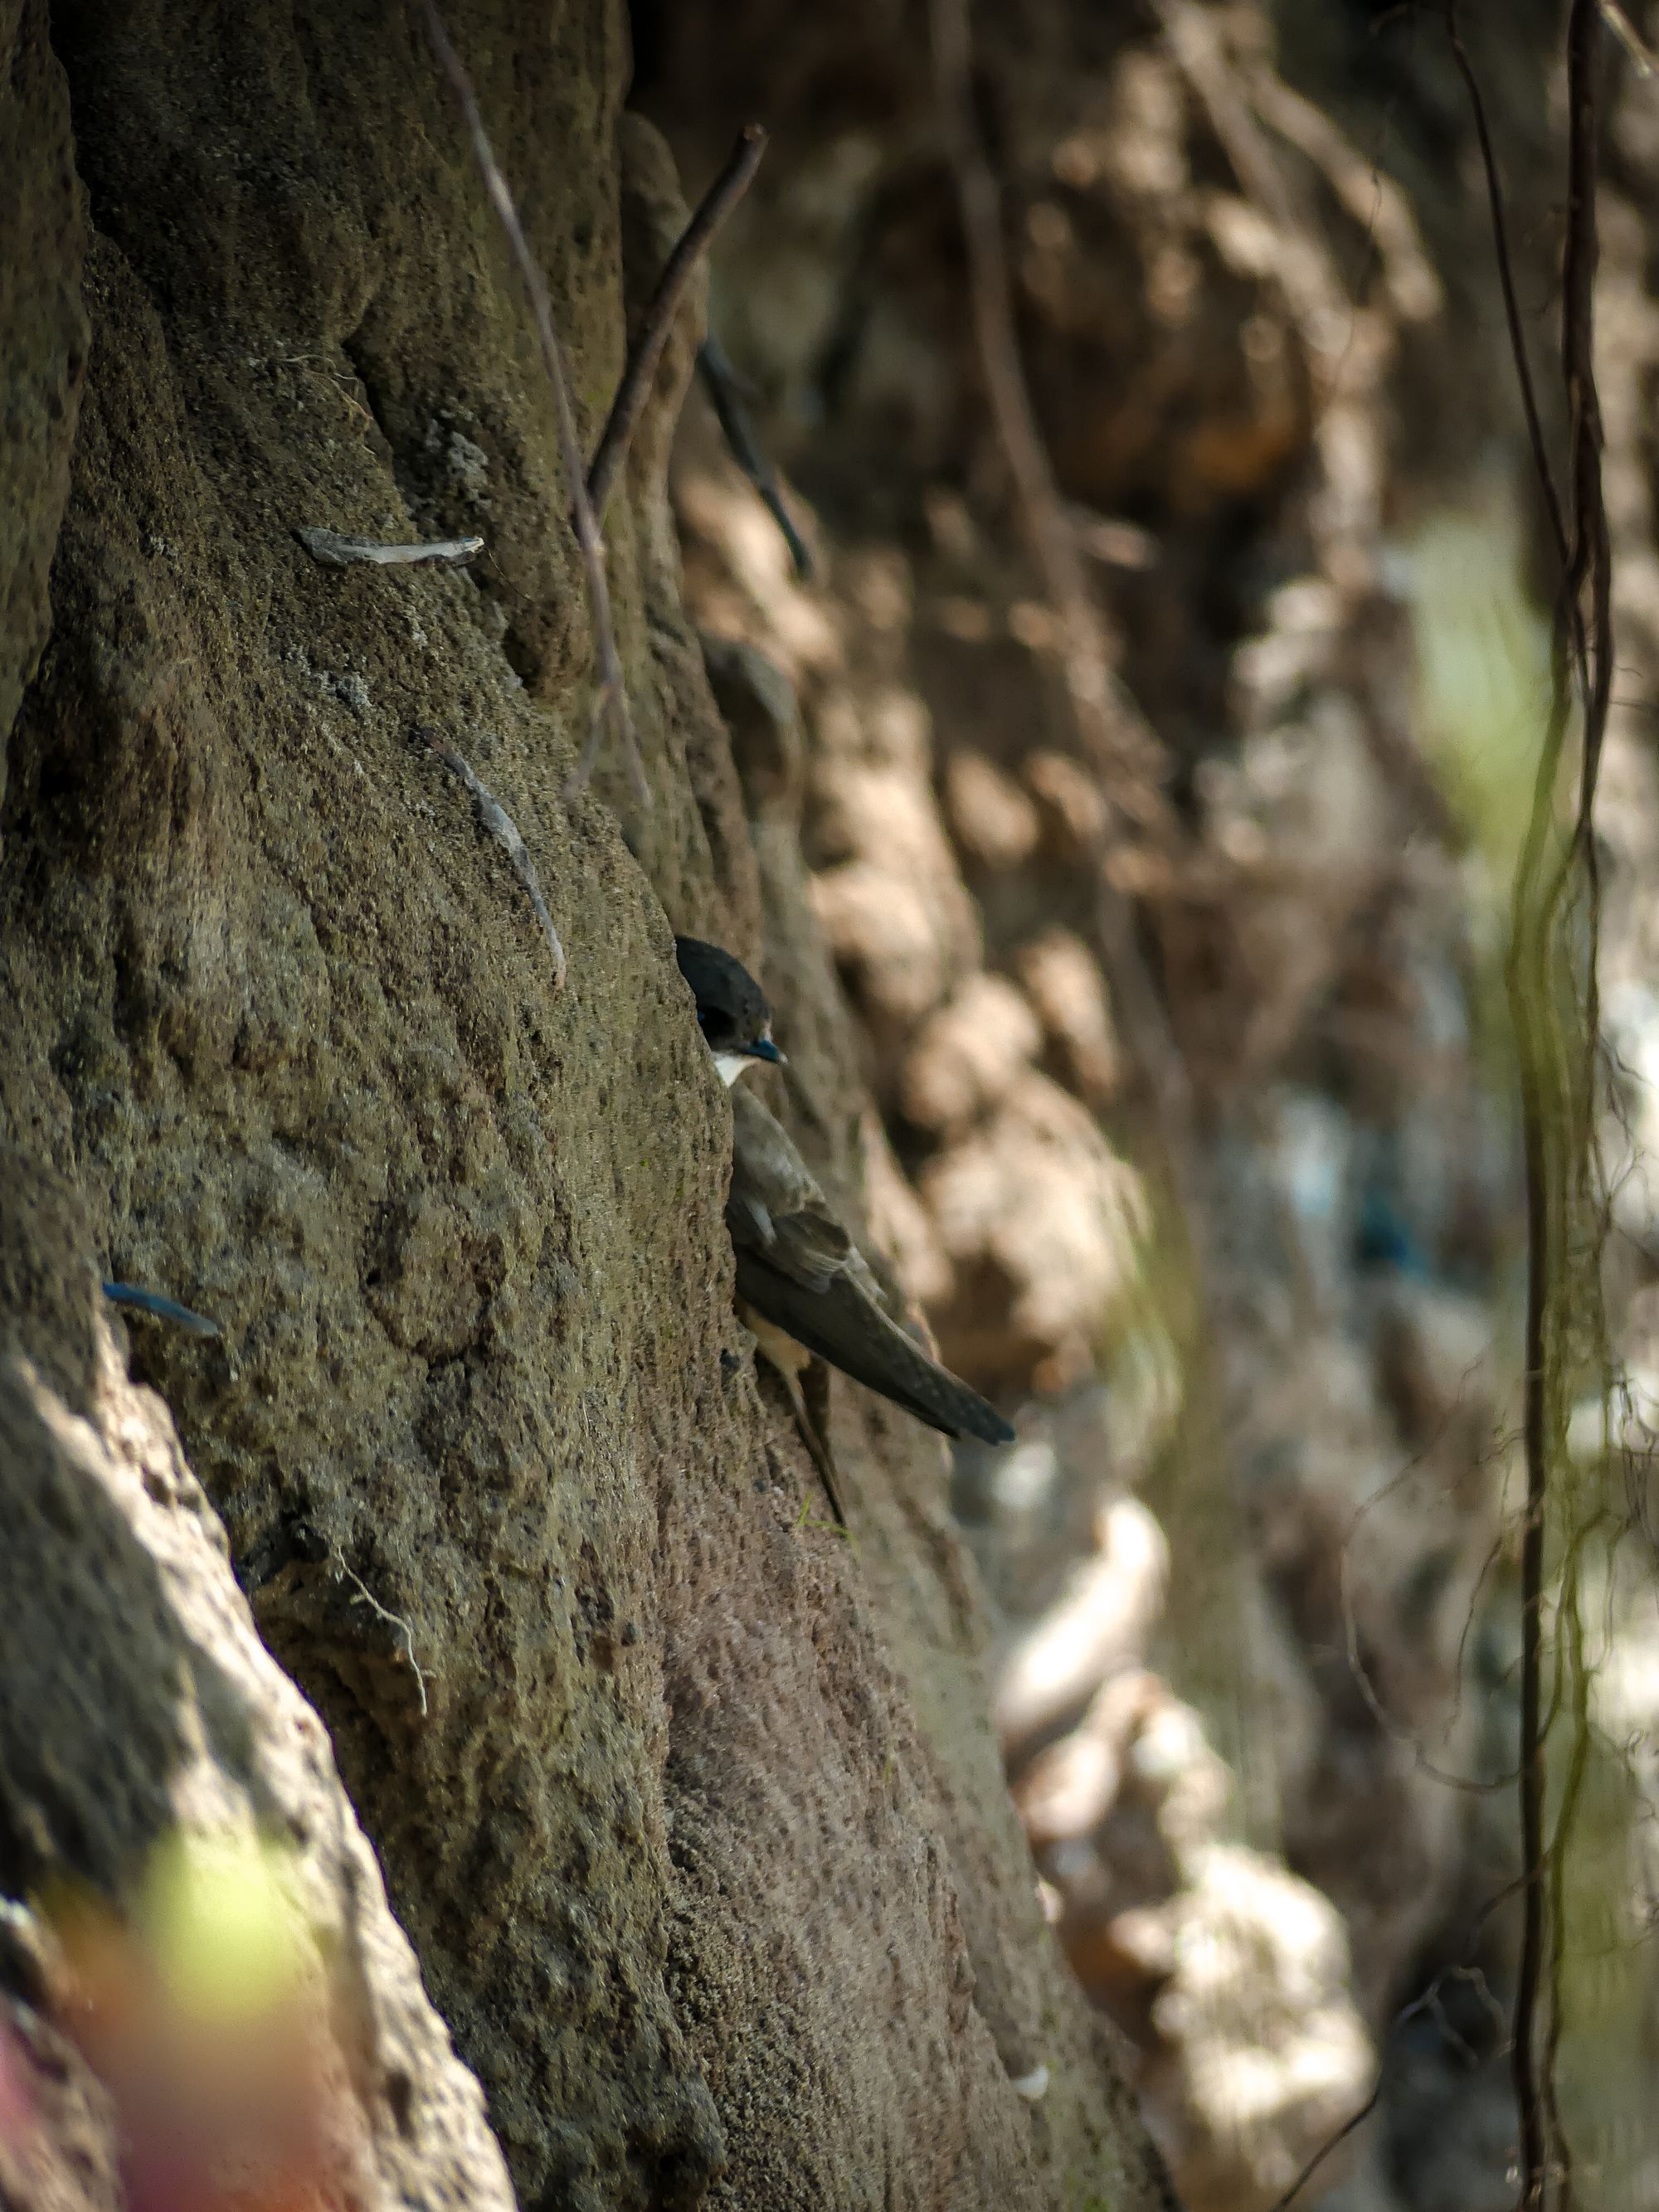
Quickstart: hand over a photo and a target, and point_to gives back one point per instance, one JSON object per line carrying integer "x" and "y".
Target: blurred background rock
{"x": 1251, "y": 1555}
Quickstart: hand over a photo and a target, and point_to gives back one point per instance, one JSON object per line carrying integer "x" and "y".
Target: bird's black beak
{"x": 763, "y": 1048}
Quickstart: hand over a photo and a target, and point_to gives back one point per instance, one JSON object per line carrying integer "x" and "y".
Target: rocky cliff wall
{"x": 689, "y": 1808}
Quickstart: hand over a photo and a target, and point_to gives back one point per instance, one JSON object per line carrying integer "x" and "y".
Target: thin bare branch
{"x": 591, "y": 743}
{"x": 1591, "y": 567}
{"x": 1524, "y": 376}
{"x": 1372, "y": 199}
{"x": 337, "y": 552}
{"x": 1570, "y": 1804}
{"x": 504, "y": 830}
{"x": 1355, "y": 2120}
{"x": 1557, "y": 1117}
{"x": 1588, "y": 575}
{"x": 1640, "y": 54}
{"x": 721, "y": 381}
{"x": 1427, "y": 2001}
{"x": 1542, "y": 1112}
{"x": 362, "y": 1595}
{"x": 613, "y": 697}
{"x": 717, "y": 203}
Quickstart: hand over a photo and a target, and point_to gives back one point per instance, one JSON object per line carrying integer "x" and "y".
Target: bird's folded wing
{"x": 798, "y": 1266}
{"x": 775, "y": 1207}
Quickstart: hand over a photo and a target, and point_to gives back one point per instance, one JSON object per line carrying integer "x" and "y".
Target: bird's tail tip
{"x": 984, "y": 1424}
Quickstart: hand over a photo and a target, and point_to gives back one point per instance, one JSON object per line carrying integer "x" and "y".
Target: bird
{"x": 731, "y": 1009}
{"x": 807, "y": 1288}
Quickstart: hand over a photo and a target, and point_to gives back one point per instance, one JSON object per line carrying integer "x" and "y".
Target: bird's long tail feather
{"x": 865, "y": 1344}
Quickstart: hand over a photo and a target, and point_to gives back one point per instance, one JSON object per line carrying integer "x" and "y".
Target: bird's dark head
{"x": 731, "y": 1009}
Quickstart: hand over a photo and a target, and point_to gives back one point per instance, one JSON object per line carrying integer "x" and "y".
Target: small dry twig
{"x": 1427, "y": 2001}
{"x": 721, "y": 382}
{"x": 612, "y": 699}
{"x": 1553, "y": 1120}
{"x": 717, "y": 203}
{"x": 364, "y": 1595}
{"x": 1372, "y": 198}
{"x": 1589, "y": 643}
{"x": 1640, "y": 54}
{"x": 337, "y": 552}
{"x": 504, "y": 830}
{"x": 1517, "y": 333}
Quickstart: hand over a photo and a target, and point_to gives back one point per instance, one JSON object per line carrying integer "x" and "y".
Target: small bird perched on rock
{"x": 807, "y": 1287}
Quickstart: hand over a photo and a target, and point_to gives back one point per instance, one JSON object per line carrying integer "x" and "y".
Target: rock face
{"x": 138, "y": 1709}
{"x": 690, "y": 1810}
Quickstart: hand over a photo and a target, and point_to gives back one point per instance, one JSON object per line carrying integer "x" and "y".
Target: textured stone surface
{"x": 42, "y": 240}
{"x": 137, "y": 1704}
{"x": 691, "y": 1809}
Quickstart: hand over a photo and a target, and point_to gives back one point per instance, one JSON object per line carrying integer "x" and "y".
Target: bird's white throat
{"x": 731, "y": 1066}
